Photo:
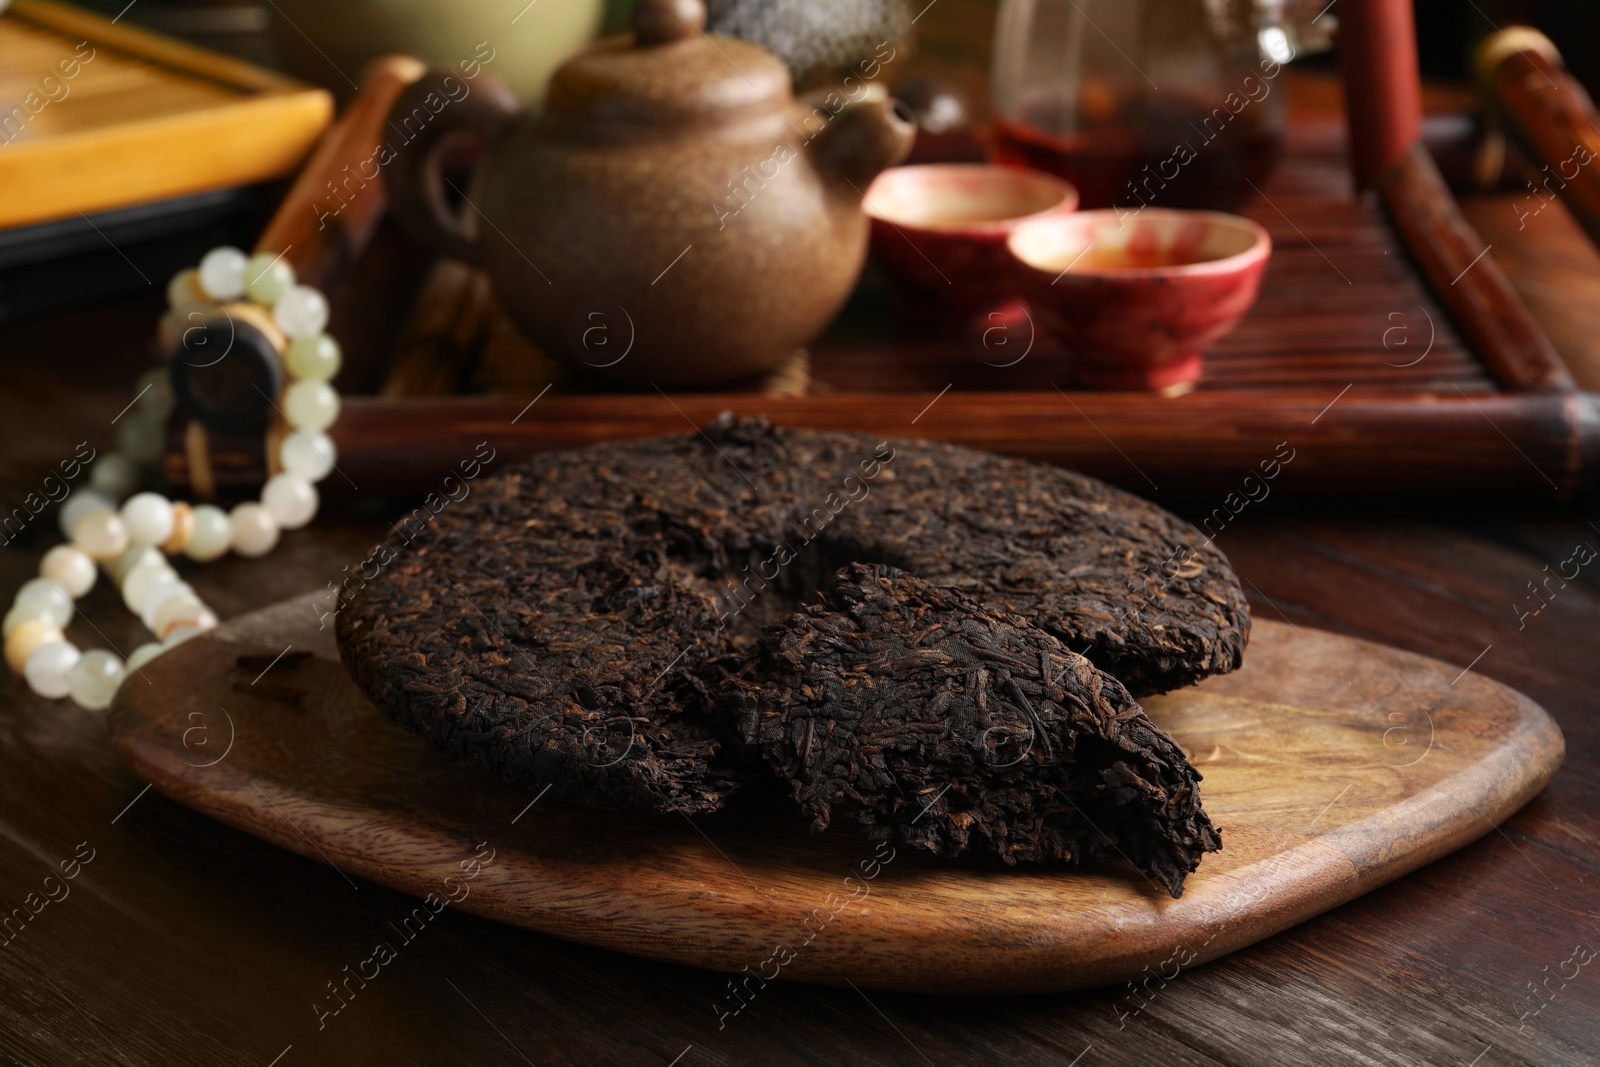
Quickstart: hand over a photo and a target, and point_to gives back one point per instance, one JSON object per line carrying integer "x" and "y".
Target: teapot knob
{"x": 665, "y": 21}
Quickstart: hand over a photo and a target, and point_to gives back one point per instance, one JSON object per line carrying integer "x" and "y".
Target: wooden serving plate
{"x": 1332, "y": 766}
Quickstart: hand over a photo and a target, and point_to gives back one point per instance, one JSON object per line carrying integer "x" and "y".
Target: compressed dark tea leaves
{"x": 576, "y": 622}
{"x": 1139, "y": 591}
{"x": 927, "y": 718}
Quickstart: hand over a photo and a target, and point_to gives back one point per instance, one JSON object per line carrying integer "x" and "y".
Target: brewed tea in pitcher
{"x": 1170, "y": 103}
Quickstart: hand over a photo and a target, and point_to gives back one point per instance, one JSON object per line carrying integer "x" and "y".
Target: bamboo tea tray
{"x": 134, "y": 117}
{"x": 1332, "y": 766}
{"x": 1359, "y": 354}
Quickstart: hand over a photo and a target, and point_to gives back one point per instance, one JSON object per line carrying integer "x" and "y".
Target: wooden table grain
{"x": 180, "y": 941}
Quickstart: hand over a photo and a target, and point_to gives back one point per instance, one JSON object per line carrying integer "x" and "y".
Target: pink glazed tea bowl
{"x": 1137, "y": 299}
{"x": 939, "y": 231}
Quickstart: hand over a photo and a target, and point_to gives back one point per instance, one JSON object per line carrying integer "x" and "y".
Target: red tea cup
{"x": 939, "y": 231}
{"x": 1137, "y": 297}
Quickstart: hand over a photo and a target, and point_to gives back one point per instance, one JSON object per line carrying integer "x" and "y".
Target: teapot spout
{"x": 861, "y": 141}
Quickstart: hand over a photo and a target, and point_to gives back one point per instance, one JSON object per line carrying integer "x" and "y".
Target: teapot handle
{"x": 425, "y": 112}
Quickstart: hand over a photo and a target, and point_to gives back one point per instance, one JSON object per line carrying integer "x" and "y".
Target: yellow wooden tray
{"x": 96, "y": 115}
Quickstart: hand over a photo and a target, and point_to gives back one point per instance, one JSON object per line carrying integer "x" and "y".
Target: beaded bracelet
{"x": 131, "y": 542}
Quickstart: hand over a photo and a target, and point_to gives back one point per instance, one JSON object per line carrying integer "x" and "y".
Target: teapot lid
{"x": 669, "y": 70}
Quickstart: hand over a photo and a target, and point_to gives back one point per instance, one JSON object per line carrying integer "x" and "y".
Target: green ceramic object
{"x": 519, "y": 42}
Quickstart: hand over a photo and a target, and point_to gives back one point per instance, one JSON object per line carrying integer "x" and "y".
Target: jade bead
{"x": 212, "y": 534}
{"x": 100, "y": 534}
{"x": 301, "y": 311}
{"x": 315, "y": 358}
{"x": 148, "y": 518}
{"x": 311, "y": 406}
{"x": 184, "y": 288}
{"x": 123, "y": 565}
{"x": 93, "y": 680}
{"x": 144, "y": 654}
{"x": 140, "y": 438}
{"x": 21, "y": 613}
{"x": 266, "y": 278}
{"x": 290, "y": 500}
{"x": 163, "y": 591}
{"x": 21, "y": 642}
{"x": 80, "y": 504}
{"x": 310, "y": 455}
{"x": 222, "y": 273}
{"x": 47, "y": 667}
{"x": 255, "y": 532}
{"x": 114, "y": 475}
{"x": 53, "y": 604}
{"x": 182, "y": 529}
{"x": 175, "y": 611}
{"x": 69, "y": 569}
{"x": 142, "y": 580}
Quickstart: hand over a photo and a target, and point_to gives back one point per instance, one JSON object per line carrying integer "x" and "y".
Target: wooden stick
{"x": 452, "y": 315}
{"x": 1382, "y": 90}
{"x": 1200, "y": 446}
{"x": 331, "y": 210}
{"x": 87, "y": 25}
{"x": 1466, "y": 277}
{"x": 1383, "y": 102}
{"x": 1549, "y": 114}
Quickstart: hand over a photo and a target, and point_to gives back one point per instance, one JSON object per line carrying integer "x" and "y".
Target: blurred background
{"x": 955, "y": 33}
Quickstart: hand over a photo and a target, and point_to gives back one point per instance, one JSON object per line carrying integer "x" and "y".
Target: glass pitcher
{"x": 1172, "y": 103}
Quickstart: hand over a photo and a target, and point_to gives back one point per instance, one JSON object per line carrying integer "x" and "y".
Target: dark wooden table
{"x": 185, "y": 942}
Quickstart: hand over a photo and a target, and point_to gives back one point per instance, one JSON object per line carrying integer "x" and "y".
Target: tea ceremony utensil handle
{"x": 1526, "y": 86}
{"x": 1378, "y": 63}
{"x": 328, "y": 216}
{"x": 426, "y": 112}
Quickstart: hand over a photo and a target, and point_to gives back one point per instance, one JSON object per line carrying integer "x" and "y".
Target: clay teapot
{"x": 673, "y": 218}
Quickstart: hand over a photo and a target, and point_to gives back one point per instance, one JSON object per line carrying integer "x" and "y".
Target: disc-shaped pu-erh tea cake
{"x": 957, "y": 729}
{"x": 577, "y": 620}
